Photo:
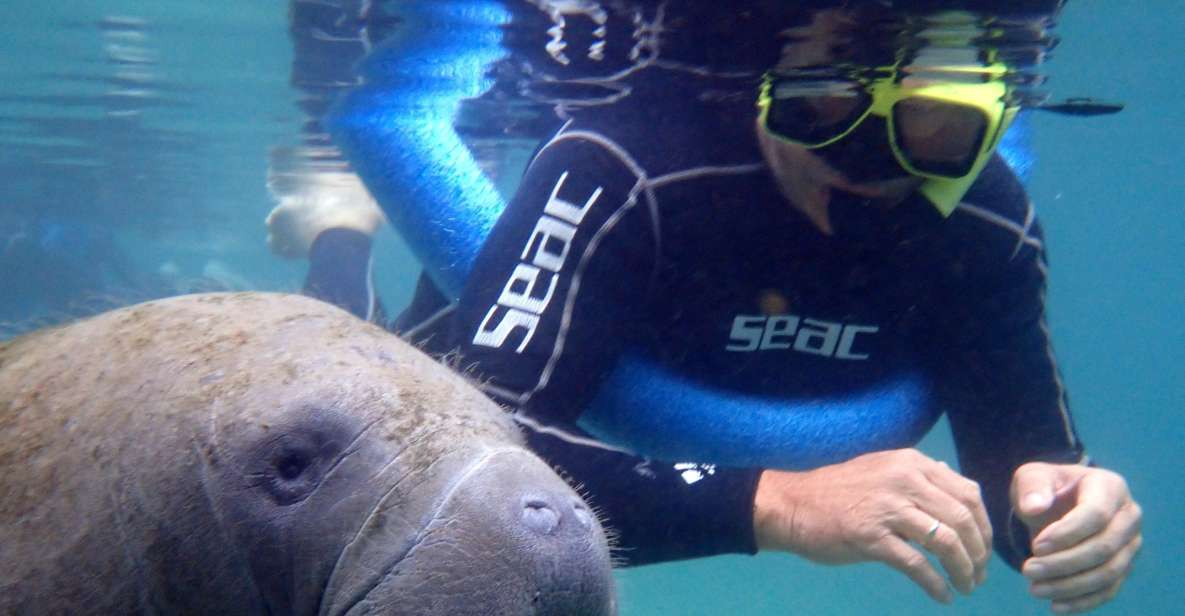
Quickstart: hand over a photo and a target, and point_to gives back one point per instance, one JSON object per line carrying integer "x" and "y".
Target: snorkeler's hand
{"x": 880, "y": 507}
{"x": 316, "y": 203}
{"x": 1085, "y": 529}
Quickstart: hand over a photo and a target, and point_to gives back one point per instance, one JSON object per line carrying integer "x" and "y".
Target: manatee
{"x": 258, "y": 453}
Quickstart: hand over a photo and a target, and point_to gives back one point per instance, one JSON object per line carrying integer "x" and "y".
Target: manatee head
{"x": 272, "y": 454}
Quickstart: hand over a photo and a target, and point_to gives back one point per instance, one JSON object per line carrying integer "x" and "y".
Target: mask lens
{"x": 939, "y": 137}
{"x": 814, "y": 112}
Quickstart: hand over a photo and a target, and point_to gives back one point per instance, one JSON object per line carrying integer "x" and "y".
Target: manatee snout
{"x": 509, "y": 538}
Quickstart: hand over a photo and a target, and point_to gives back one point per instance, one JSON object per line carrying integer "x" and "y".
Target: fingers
{"x": 1091, "y": 584}
{"x": 962, "y": 541}
{"x": 1033, "y": 488}
{"x": 1087, "y": 602}
{"x": 1092, "y": 566}
{"x": 1121, "y": 530}
{"x": 1083, "y": 558}
{"x": 903, "y": 557}
{"x": 967, "y": 492}
{"x": 1100, "y": 497}
{"x": 880, "y": 506}
{"x": 971, "y": 521}
{"x": 946, "y": 544}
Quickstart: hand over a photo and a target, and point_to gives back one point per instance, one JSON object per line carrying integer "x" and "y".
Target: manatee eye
{"x": 295, "y": 467}
{"x": 291, "y": 464}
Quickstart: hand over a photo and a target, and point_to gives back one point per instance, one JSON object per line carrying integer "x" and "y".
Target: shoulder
{"x": 994, "y": 268}
{"x": 591, "y": 152}
{"x": 582, "y": 191}
{"x": 997, "y": 217}
{"x": 643, "y": 166}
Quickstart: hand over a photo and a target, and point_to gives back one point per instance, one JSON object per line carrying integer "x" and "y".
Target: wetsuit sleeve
{"x": 658, "y": 511}
{"x": 561, "y": 283}
{"x": 339, "y": 273}
{"x": 1001, "y": 384}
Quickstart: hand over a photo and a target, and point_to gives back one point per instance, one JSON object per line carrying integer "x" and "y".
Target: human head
{"x": 878, "y": 102}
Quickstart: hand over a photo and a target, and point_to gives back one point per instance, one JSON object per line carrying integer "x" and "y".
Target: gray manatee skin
{"x": 270, "y": 454}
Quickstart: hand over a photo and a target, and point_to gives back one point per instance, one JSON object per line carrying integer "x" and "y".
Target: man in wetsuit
{"x": 760, "y": 255}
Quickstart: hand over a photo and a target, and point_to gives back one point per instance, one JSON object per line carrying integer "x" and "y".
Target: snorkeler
{"x": 849, "y": 251}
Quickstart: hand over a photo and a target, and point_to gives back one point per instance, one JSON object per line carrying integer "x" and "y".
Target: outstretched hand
{"x": 1085, "y": 531}
{"x": 885, "y": 506}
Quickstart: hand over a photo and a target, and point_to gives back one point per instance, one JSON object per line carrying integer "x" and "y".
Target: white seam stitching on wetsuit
{"x": 1000, "y": 221}
{"x": 696, "y": 172}
{"x": 574, "y": 290}
{"x": 679, "y": 176}
{"x": 1023, "y": 237}
{"x": 569, "y": 305}
{"x": 563, "y": 435}
{"x": 1030, "y": 218}
{"x": 643, "y": 181}
{"x": 624, "y": 156}
{"x": 432, "y": 318}
{"x": 502, "y": 392}
{"x": 554, "y": 136}
{"x": 604, "y": 142}
{"x": 1067, "y": 423}
{"x": 645, "y": 185}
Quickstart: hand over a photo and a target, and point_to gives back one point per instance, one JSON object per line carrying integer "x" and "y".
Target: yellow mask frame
{"x": 979, "y": 88}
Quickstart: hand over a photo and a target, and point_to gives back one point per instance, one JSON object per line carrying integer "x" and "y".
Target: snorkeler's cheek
{"x": 804, "y": 179}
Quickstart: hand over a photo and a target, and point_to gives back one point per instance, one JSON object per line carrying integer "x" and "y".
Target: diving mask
{"x": 942, "y": 127}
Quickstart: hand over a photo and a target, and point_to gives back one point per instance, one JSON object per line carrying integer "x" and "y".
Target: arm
{"x": 1005, "y": 398}
{"x": 657, "y": 511}
{"x": 1071, "y": 528}
{"x": 340, "y": 273}
{"x": 561, "y": 284}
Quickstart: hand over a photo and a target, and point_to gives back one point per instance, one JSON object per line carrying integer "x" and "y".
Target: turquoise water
{"x": 150, "y": 124}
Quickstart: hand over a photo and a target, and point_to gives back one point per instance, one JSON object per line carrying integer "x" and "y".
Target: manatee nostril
{"x": 582, "y": 514}
{"x": 539, "y": 516}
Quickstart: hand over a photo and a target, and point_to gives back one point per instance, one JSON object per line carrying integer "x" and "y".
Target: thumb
{"x": 1034, "y": 488}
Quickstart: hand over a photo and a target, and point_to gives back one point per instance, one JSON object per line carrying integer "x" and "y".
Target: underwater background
{"x": 136, "y": 140}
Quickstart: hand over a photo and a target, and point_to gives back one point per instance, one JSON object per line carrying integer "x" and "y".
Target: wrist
{"x": 777, "y": 511}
